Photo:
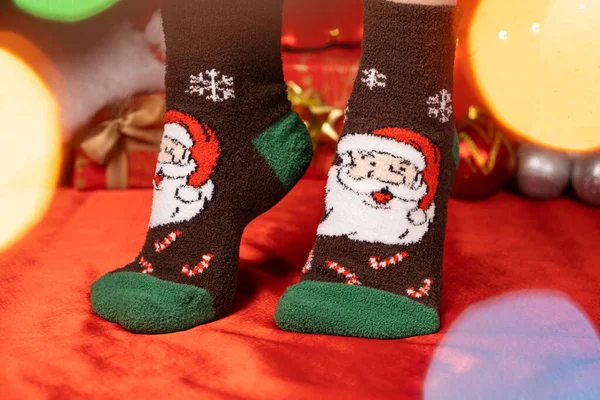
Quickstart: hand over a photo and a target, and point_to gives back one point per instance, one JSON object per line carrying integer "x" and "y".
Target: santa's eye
{"x": 397, "y": 169}
{"x": 373, "y": 164}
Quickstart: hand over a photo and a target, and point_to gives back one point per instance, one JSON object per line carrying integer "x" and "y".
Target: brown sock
{"x": 375, "y": 269}
{"x": 232, "y": 149}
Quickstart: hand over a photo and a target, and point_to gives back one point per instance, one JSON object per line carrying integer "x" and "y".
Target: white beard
{"x": 353, "y": 212}
{"x": 174, "y": 200}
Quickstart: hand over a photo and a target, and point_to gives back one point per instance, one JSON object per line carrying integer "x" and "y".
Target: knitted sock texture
{"x": 232, "y": 148}
{"x": 375, "y": 268}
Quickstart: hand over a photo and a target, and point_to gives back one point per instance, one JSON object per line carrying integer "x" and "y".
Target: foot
{"x": 375, "y": 269}
{"x": 232, "y": 148}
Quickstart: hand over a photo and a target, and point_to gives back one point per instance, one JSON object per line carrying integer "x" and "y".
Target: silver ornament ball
{"x": 586, "y": 178}
{"x": 542, "y": 173}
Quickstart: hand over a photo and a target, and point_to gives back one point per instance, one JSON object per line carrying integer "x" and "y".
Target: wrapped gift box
{"x": 119, "y": 148}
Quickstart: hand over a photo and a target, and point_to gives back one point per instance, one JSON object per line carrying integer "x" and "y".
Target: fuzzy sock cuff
{"x": 413, "y": 47}
{"x": 241, "y": 39}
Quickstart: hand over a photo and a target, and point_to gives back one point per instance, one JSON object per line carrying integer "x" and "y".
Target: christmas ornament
{"x": 324, "y": 122}
{"x": 486, "y": 157}
{"x": 586, "y": 178}
{"x": 64, "y": 10}
{"x": 542, "y": 173}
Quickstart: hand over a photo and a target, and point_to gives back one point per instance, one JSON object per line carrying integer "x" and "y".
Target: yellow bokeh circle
{"x": 537, "y": 64}
{"x": 29, "y": 148}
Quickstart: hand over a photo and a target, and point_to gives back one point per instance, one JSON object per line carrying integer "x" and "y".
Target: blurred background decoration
{"x": 527, "y": 344}
{"x": 487, "y": 157}
{"x": 31, "y": 143}
{"x": 527, "y": 73}
{"x": 536, "y": 63}
{"x": 533, "y": 68}
{"x": 64, "y": 10}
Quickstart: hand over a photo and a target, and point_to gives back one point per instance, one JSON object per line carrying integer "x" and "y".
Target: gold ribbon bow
{"x": 320, "y": 118}
{"x": 140, "y": 127}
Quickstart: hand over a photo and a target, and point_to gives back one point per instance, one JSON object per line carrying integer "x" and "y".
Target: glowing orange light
{"x": 537, "y": 64}
{"x": 29, "y": 150}
{"x": 289, "y": 40}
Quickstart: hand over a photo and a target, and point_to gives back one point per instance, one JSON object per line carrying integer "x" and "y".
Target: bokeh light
{"x": 64, "y": 10}
{"x": 530, "y": 344}
{"x": 537, "y": 65}
{"x": 30, "y": 148}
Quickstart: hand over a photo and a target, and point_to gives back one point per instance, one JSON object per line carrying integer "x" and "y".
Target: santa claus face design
{"x": 382, "y": 189}
{"x": 182, "y": 184}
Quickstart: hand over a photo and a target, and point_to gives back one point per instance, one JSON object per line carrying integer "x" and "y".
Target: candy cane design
{"x": 146, "y": 265}
{"x": 202, "y": 265}
{"x": 423, "y": 290}
{"x": 351, "y": 279}
{"x": 308, "y": 266}
{"x": 377, "y": 263}
{"x": 160, "y": 246}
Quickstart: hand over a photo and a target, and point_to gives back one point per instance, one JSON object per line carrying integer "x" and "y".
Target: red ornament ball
{"x": 486, "y": 158}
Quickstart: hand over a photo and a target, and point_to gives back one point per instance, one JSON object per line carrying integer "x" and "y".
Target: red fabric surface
{"x": 53, "y": 346}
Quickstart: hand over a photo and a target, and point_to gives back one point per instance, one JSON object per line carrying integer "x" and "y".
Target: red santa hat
{"x": 409, "y": 145}
{"x": 201, "y": 142}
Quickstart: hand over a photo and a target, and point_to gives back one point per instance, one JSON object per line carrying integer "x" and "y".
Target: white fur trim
{"x": 368, "y": 142}
{"x": 154, "y": 31}
{"x": 179, "y": 133}
{"x": 417, "y": 216}
{"x": 116, "y": 67}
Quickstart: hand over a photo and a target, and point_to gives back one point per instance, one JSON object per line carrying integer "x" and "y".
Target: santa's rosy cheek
{"x": 165, "y": 158}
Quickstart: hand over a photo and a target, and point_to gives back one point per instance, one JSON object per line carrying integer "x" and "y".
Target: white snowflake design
{"x": 373, "y": 78}
{"x": 217, "y": 86}
{"x": 442, "y": 106}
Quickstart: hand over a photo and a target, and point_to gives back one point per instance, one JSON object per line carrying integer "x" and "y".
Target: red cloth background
{"x": 53, "y": 346}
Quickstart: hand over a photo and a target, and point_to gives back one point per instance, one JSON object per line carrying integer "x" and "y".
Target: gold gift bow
{"x": 110, "y": 142}
{"x": 323, "y": 118}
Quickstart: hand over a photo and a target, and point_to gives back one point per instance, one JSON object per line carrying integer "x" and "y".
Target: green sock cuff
{"x": 287, "y": 148}
{"x": 456, "y": 149}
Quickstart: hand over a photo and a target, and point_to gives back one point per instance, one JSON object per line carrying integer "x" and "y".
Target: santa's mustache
{"x": 172, "y": 170}
{"x": 369, "y": 186}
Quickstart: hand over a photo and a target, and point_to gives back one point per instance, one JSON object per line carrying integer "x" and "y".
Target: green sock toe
{"x": 347, "y": 310}
{"x": 144, "y": 304}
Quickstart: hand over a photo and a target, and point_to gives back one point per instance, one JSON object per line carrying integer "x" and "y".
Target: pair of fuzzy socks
{"x": 232, "y": 148}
